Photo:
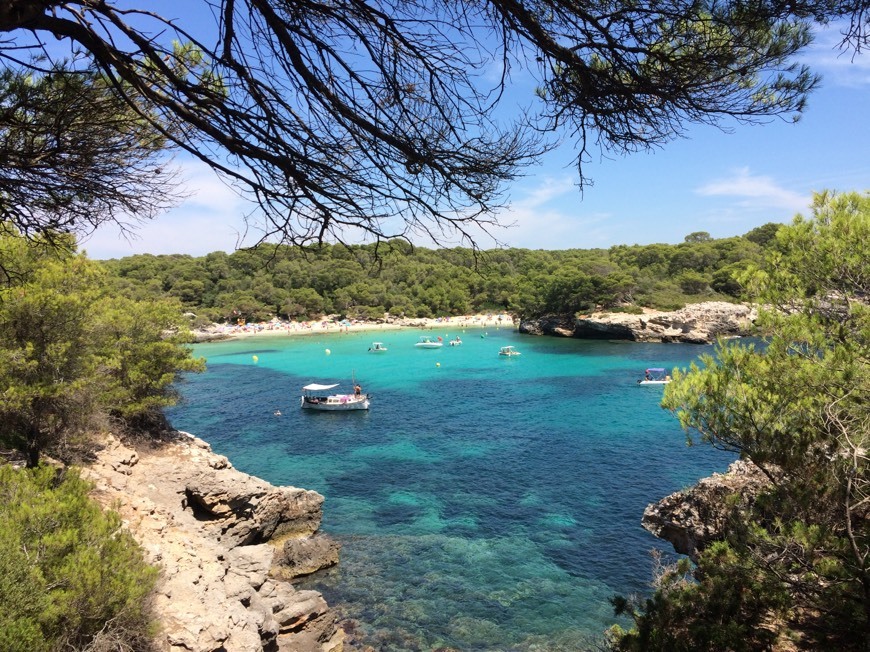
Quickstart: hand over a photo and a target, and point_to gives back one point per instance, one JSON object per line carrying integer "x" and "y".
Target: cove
{"x": 483, "y": 502}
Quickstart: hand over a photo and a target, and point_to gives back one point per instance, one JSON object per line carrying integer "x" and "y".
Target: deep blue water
{"x": 483, "y": 503}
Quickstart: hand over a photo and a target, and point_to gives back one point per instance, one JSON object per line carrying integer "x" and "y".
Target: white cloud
{"x": 210, "y": 219}
{"x": 547, "y": 189}
{"x": 550, "y": 216}
{"x": 755, "y": 192}
{"x": 837, "y": 64}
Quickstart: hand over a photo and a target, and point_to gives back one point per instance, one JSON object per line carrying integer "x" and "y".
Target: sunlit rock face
{"x": 694, "y": 518}
{"x": 700, "y": 323}
{"x": 225, "y": 543}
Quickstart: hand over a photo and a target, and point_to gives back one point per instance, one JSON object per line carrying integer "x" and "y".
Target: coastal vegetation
{"x": 71, "y": 578}
{"x": 795, "y": 566}
{"x": 367, "y": 281}
{"x": 74, "y": 357}
{"x": 76, "y": 361}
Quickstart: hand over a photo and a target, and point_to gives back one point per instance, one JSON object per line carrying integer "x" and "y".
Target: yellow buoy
{"x": 255, "y": 358}
{"x": 437, "y": 364}
{"x": 328, "y": 351}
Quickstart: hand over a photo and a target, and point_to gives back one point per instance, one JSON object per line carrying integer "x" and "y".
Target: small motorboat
{"x": 427, "y": 342}
{"x": 455, "y": 341}
{"x": 655, "y": 376}
{"x": 319, "y": 397}
{"x": 377, "y": 347}
{"x": 508, "y": 351}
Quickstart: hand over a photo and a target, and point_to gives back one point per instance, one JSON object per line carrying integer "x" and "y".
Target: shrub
{"x": 629, "y": 309}
{"x": 70, "y": 577}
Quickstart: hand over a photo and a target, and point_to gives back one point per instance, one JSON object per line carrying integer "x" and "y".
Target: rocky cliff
{"x": 694, "y": 518}
{"x": 699, "y": 323}
{"x": 225, "y": 543}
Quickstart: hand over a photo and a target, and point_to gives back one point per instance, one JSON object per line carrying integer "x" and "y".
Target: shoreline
{"x": 226, "y": 570}
{"x": 221, "y": 332}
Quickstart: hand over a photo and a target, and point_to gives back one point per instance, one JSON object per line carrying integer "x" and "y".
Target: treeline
{"x": 367, "y": 281}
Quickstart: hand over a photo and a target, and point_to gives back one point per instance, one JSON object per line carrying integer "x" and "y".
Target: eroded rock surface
{"x": 699, "y": 323}
{"x": 694, "y": 518}
{"x": 225, "y": 542}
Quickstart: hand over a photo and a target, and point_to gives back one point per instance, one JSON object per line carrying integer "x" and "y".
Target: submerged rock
{"x": 220, "y": 538}
{"x": 699, "y": 323}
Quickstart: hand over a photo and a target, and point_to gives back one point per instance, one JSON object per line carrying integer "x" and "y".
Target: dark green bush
{"x": 70, "y": 577}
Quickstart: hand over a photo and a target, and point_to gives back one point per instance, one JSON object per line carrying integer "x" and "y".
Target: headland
{"x": 226, "y": 544}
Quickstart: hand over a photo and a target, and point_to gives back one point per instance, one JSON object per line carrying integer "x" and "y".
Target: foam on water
{"x": 484, "y": 502}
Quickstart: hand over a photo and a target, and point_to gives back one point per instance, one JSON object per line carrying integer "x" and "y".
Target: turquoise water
{"x": 484, "y": 502}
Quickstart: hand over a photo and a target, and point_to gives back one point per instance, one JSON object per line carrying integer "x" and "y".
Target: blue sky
{"x": 725, "y": 183}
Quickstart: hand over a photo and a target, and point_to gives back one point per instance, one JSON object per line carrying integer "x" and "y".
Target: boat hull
{"x": 338, "y": 403}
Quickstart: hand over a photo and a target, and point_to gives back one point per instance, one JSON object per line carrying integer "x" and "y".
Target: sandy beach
{"x": 325, "y": 326}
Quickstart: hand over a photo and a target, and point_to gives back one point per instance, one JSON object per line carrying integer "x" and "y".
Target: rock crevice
{"x": 226, "y": 544}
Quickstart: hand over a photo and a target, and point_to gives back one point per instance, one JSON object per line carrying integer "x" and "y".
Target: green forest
{"x": 368, "y": 281}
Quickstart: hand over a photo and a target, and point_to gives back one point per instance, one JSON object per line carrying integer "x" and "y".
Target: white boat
{"x": 319, "y": 397}
{"x": 377, "y": 347}
{"x": 455, "y": 341}
{"x": 655, "y": 376}
{"x": 508, "y": 350}
{"x": 427, "y": 342}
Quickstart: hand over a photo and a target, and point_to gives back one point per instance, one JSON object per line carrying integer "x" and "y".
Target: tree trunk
{"x": 33, "y": 448}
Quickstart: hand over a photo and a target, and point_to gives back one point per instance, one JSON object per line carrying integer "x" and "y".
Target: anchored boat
{"x": 655, "y": 376}
{"x": 319, "y": 397}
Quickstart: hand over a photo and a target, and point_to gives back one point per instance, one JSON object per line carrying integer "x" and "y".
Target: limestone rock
{"x": 243, "y": 510}
{"x": 548, "y": 325}
{"x": 694, "y": 518}
{"x": 699, "y": 323}
{"x": 303, "y": 556}
{"x": 210, "y": 529}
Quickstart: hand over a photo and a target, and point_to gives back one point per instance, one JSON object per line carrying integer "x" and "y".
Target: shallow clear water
{"x": 484, "y": 502}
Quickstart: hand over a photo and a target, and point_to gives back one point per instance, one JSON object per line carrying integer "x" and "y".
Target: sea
{"x": 484, "y": 502}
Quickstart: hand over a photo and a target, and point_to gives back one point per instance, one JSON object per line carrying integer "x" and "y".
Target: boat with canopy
{"x": 655, "y": 376}
{"x": 320, "y": 397}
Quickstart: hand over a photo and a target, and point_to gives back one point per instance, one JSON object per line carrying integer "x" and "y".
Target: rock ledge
{"x": 225, "y": 542}
{"x": 694, "y": 518}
